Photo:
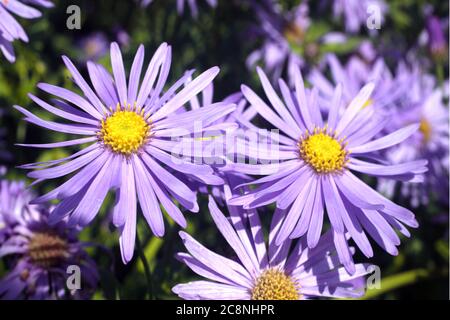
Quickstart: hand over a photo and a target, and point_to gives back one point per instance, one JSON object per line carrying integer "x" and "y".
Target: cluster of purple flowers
{"x": 156, "y": 146}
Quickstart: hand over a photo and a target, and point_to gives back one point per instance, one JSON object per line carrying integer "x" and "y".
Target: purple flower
{"x": 132, "y": 132}
{"x": 312, "y": 171}
{"x": 437, "y": 42}
{"x": 389, "y": 89}
{"x": 193, "y": 6}
{"x": 284, "y": 37}
{"x": 277, "y": 29}
{"x": 286, "y": 272}
{"x": 356, "y": 12}
{"x": 424, "y": 105}
{"x": 122, "y": 36}
{"x": 94, "y": 46}
{"x": 39, "y": 253}
{"x": 10, "y": 29}
{"x": 13, "y": 199}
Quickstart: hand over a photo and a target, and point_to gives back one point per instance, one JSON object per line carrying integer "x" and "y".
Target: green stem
{"x": 440, "y": 72}
{"x": 147, "y": 271}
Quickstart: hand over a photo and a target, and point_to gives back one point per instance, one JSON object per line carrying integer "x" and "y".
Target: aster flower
{"x": 313, "y": 169}
{"x": 132, "y": 134}
{"x": 265, "y": 272}
{"x": 93, "y": 46}
{"x": 13, "y": 198}
{"x": 286, "y": 42}
{"x": 11, "y": 30}
{"x": 122, "y": 36}
{"x": 193, "y": 6}
{"x": 388, "y": 91}
{"x": 354, "y": 12}
{"x": 424, "y": 105}
{"x": 276, "y": 52}
{"x": 39, "y": 253}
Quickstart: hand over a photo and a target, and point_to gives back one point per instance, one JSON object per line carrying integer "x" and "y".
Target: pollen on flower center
{"x": 323, "y": 151}
{"x": 294, "y": 33}
{"x": 125, "y": 131}
{"x": 425, "y": 128}
{"x": 47, "y": 249}
{"x": 274, "y": 284}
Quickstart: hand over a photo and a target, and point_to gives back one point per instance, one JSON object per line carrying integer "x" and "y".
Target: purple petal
{"x": 119, "y": 73}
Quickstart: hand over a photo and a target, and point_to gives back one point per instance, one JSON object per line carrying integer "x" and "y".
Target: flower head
{"x": 424, "y": 104}
{"x": 278, "y": 29}
{"x": 286, "y": 43}
{"x": 39, "y": 253}
{"x": 11, "y": 30}
{"x": 389, "y": 88}
{"x": 93, "y": 46}
{"x": 312, "y": 171}
{"x": 133, "y": 129}
{"x": 290, "y": 271}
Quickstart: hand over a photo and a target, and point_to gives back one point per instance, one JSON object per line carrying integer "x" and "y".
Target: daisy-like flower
{"x": 312, "y": 172}
{"x": 291, "y": 271}
{"x": 13, "y": 198}
{"x": 276, "y": 28}
{"x": 425, "y": 105}
{"x": 93, "y": 46}
{"x": 389, "y": 88}
{"x": 193, "y": 6}
{"x": 356, "y": 12}
{"x": 285, "y": 38}
{"x": 132, "y": 132}
{"x": 10, "y": 29}
{"x": 38, "y": 253}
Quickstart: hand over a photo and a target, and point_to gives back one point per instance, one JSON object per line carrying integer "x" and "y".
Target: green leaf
{"x": 396, "y": 281}
{"x": 442, "y": 249}
{"x": 341, "y": 48}
{"x": 315, "y": 31}
{"x": 150, "y": 251}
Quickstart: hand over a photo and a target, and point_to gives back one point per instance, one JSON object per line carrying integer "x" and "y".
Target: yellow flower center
{"x": 125, "y": 131}
{"x": 273, "y": 284}
{"x": 47, "y": 249}
{"x": 293, "y": 33}
{"x": 322, "y": 151}
{"x": 425, "y": 128}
